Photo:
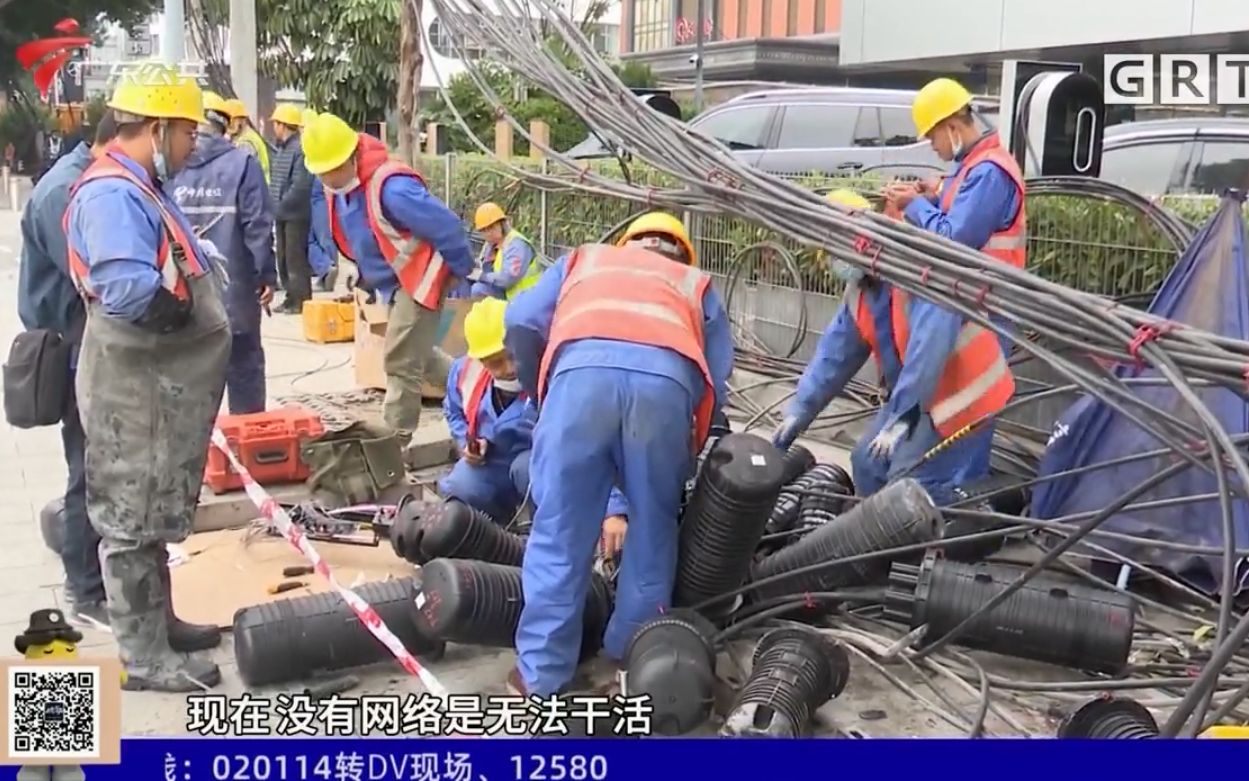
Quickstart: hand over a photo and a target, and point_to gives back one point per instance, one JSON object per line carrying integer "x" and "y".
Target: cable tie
{"x": 585, "y": 171}
{"x": 862, "y": 244}
{"x": 923, "y": 275}
{"x": 876, "y": 258}
{"x": 954, "y": 293}
{"x": 982, "y": 295}
{"x": 808, "y": 601}
{"x": 1144, "y": 335}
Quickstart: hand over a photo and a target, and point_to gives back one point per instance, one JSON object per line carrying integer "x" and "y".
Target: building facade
{"x": 774, "y": 40}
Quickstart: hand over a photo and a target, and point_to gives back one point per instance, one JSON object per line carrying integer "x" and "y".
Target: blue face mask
{"x": 846, "y": 272}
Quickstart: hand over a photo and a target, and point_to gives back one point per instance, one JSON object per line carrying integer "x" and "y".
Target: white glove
{"x": 787, "y": 432}
{"x": 210, "y": 251}
{"x": 882, "y": 447}
{"x": 474, "y": 275}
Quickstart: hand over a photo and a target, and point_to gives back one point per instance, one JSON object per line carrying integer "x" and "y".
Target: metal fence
{"x": 781, "y": 292}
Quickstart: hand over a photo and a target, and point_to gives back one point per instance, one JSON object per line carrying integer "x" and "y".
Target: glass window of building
{"x": 652, "y": 25}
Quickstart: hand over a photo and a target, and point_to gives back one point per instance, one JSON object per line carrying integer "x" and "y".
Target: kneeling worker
{"x": 492, "y": 421}
{"x": 631, "y": 351}
{"x": 941, "y": 374}
{"x": 509, "y": 263}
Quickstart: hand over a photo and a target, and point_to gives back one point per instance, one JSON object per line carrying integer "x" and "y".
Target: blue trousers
{"x": 600, "y": 426}
{"x": 80, "y": 553}
{"x": 960, "y": 463}
{"x": 245, "y": 374}
{"x": 496, "y": 487}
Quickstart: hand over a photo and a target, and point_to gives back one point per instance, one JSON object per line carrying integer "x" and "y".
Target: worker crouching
{"x": 943, "y": 376}
{"x": 406, "y": 244}
{"x": 509, "y": 264}
{"x": 628, "y": 349}
{"x": 151, "y": 372}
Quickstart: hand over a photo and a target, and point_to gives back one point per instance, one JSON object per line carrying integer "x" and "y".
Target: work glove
{"x": 210, "y": 251}
{"x": 882, "y": 446}
{"x": 789, "y": 430}
{"x": 474, "y": 275}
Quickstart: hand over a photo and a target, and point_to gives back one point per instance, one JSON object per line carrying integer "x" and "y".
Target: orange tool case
{"x": 268, "y": 445}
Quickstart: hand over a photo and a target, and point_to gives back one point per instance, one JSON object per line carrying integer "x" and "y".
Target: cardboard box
{"x": 370, "y": 340}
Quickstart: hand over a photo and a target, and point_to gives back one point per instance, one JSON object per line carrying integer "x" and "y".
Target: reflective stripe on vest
{"x": 171, "y": 270}
{"x": 629, "y": 294}
{"x": 475, "y": 383}
{"x": 420, "y": 270}
{"x": 1009, "y": 245}
{"x": 532, "y": 274}
{"x": 976, "y": 381}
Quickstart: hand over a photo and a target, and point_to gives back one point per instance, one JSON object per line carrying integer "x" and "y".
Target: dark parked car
{"x": 1197, "y": 155}
{"x": 830, "y": 130}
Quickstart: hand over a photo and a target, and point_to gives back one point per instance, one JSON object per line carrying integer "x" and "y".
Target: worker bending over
{"x": 244, "y": 135}
{"x": 222, "y": 191}
{"x": 509, "y": 263}
{"x": 491, "y": 420}
{"x": 47, "y": 298}
{"x": 941, "y": 375}
{"x": 406, "y": 244}
{"x": 151, "y": 372}
{"x": 981, "y": 204}
{"x": 629, "y": 350}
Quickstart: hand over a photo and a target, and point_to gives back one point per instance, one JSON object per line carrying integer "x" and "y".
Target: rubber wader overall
{"x": 149, "y": 402}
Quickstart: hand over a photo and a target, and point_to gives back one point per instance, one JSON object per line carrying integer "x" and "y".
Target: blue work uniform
{"x": 987, "y": 201}
{"x": 322, "y": 254}
{"x": 409, "y": 206}
{"x": 222, "y": 191}
{"x": 47, "y": 299}
{"x": 615, "y": 413}
{"x": 518, "y": 254}
{"x": 911, "y": 381}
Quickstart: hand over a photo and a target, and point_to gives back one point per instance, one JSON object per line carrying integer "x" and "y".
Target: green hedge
{"x": 1084, "y": 243}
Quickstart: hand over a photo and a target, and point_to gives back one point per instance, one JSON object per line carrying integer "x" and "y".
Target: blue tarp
{"x": 1208, "y": 289}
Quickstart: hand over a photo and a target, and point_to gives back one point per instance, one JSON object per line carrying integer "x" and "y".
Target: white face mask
{"x": 353, "y": 184}
{"x": 158, "y": 159}
{"x": 956, "y": 144}
{"x": 507, "y": 386}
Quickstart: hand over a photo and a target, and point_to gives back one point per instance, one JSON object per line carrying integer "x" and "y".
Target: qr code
{"x": 54, "y": 712}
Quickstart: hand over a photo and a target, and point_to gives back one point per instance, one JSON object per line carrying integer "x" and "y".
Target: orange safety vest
{"x": 633, "y": 295}
{"x": 976, "y": 381}
{"x": 475, "y": 383}
{"x": 1010, "y": 245}
{"x": 421, "y": 271}
{"x": 174, "y": 271}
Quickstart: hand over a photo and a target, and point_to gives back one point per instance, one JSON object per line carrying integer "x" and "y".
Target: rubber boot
{"x": 138, "y": 610}
{"x": 185, "y": 637}
{"x": 34, "y": 773}
{"x": 68, "y": 773}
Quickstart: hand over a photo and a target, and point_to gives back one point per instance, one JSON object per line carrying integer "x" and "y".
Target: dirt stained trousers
{"x": 411, "y": 357}
{"x": 148, "y": 404}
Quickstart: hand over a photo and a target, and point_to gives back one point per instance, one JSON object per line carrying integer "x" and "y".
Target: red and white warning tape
{"x": 293, "y": 533}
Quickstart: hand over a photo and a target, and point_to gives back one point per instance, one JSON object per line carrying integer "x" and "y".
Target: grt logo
{"x": 1176, "y": 79}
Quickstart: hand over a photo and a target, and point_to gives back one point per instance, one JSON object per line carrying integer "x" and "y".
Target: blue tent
{"x": 1208, "y": 289}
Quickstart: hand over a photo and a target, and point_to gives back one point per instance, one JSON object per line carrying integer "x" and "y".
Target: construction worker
{"x": 47, "y": 299}
{"x": 222, "y": 191}
{"x": 244, "y": 135}
{"x": 491, "y": 419}
{"x": 981, "y": 204}
{"x": 629, "y": 351}
{"x": 941, "y": 375}
{"x": 151, "y": 372}
{"x": 407, "y": 245}
{"x": 509, "y": 263}
{"x": 290, "y": 185}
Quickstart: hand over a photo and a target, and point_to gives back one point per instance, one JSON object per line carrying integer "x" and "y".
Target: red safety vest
{"x": 633, "y": 295}
{"x": 475, "y": 383}
{"x": 1010, "y": 245}
{"x": 421, "y": 271}
{"x": 976, "y": 381}
{"x": 173, "y": 274}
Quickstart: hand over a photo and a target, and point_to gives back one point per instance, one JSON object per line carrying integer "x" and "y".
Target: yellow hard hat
{"x": 327, "y": 141}
{"x": 939, "y": 99}
{"x": 483, "y": 328}
{"x": 287, "y": 114}
{"x": 850, "y": 199}
{"x": 661, "y": 223}
{"x": 214, "y": 102}
{"x": 488, "y": 214}
{"x": 234, "y": 108}
{"x": 159, "y": 92}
